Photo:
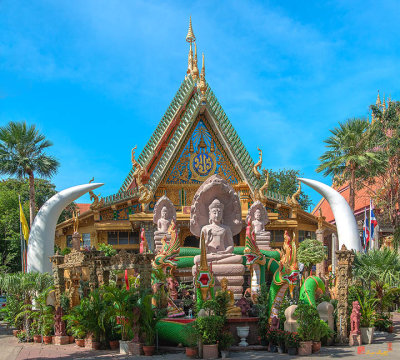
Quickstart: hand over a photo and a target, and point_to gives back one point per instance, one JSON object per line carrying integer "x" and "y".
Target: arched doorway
{"x": 191, "y": 241}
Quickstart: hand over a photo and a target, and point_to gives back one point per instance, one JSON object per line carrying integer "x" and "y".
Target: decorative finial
{"x": 190, "y": 60}
{"x": 203, "y": 254}
{"x": 378, "y": 99}
{"x": 190, "y": 35}
{"x": 258, "y": 165}
{"x": 195, "y": 69}
{"x": 384, "y": 102}
{"x": 203, "y": 85}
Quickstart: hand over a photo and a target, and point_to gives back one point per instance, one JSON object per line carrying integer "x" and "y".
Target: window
{"x": 306, "y": 235}
{"x": 276, "y": 236}
{"x": 123, "y": 237}
{"x": 69, "y": 241}
{"x": 86, "y": 240}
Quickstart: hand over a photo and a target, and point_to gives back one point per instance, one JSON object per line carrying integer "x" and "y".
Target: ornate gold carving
{"x": 75, "y": 219}
{"x": 259, "y": 193}
{"x": 257, "y": 166}
{"x": 145, "y": 194}
{"x": 97, "y": 204}
{"x": 293, "y": 201}
{"x": 203, "y": 84}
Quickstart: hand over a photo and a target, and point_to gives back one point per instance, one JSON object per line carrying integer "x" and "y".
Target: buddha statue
{"x": 164, "y": 213}
{"x": 163, "y": 222}
{"x": 218, "y": 238}
{"x": 259, "y": 218}
{"x": 232, "y": 311}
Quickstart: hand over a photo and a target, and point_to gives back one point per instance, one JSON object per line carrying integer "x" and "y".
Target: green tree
{"x": 10, "y": 245}
{"x": 386, "y": 185}
{"x": 284, "y": 181}
{"x": 350, "y": 155}
{"x": 310, "y": 252}
{"x": 378, "y": 268}
{"x": 22, "y": 153}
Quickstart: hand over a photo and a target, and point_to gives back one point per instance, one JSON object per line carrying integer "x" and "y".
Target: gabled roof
{"x": 189, "y": 99}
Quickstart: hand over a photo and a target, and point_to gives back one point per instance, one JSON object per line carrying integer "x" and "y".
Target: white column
{"x": 335, "y": 246}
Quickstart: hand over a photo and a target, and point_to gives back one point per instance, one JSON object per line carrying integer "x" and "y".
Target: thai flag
{"x": 374, "y": 223}
{"x": 365, "y": 231}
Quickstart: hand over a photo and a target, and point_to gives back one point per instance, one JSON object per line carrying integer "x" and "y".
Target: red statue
{"x": 355, "y": 319}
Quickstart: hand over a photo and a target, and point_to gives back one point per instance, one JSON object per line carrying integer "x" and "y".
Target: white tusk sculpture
{"x": 41, "y": 237}
{"x": 345, "y": 221}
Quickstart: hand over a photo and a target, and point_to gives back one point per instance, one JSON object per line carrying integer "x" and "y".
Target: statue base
{"x": 158, "y": 243}
{"x": 355, "y": 339}
{"x": 263, "y": 241}
{"x": 232, "y": 272}
{"x": 61, "y": 340}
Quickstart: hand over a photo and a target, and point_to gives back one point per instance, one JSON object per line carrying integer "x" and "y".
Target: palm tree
{"x": 350, "y": 153}
{"x": 22, "y": 154}
{"x": 378, "y": 268}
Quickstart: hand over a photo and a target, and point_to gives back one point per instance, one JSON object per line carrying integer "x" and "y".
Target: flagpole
{"x": 370, "y": 228}
{"x": 20, "y": 234}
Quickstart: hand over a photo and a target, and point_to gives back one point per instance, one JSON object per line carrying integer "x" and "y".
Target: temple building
{"x": 193, "y": 140}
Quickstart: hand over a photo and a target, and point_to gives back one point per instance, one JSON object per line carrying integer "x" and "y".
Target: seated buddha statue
{"x": 233, "y": 311}
{"x": 163, "y": 222}
{"x": 258, "y": 223}
{"x": 218, "y": 238}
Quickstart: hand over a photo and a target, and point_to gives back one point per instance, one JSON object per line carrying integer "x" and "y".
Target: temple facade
{"x": 193, "y": 141}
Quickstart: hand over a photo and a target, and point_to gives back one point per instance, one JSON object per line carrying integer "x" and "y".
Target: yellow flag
{"x": 24, "y": 224}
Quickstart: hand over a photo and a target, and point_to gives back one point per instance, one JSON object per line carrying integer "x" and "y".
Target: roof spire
{"x": 203, "y": 85}
{"x": 384, "y": 102}
{"x": 195, "y": 69}
{"x": 190, "y": 60}
{"x": 378, "y": 100}
{"x": 190, "y": 35}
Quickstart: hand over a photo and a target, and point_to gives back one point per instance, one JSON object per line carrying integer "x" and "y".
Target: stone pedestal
{"x": 263, "y": 241}
{"x": 232, "y": 272}
{"x": 291, "y": 321}
{"x": 76, "y": 241}
{"x": 61, "y": 340}
{"x": 157, "y": 241}
{"x": 355, "y": 339}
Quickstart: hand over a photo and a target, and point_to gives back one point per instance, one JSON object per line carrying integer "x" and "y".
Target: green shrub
{"x": 210, "y": 328}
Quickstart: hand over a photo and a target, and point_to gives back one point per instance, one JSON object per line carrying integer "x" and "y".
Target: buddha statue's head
{"x": 215, "y": 211}
{"x": 257, "y": 215}
{"x": 164, "y": 212}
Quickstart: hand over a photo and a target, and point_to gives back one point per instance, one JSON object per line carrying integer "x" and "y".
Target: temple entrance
{"x": 191, "y": 241}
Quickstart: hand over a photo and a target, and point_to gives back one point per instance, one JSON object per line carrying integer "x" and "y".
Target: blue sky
{"x": 96, "y": 76}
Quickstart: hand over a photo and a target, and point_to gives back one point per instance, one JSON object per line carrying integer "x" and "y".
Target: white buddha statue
{"x": 163, "y": 222}
{"x": 218, "y": 238}
{"x": 258, "y": 223}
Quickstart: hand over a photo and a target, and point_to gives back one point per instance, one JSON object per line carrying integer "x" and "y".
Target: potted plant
{"x": 292, "y": 342}
{"x": 307, "y": 317}
{"x": 209, "y": 329}
{"x": 280, "y": 340}
{"x": 367, "y": 309}
{"x": 148, "y": 322}
{"x": 192, "y": 339}
{"x": 320, "y": 329}
{"x": 271, "y": 337}
{"x": 383, "y": 323}
{"x": 76, "y": 325}
{"x": 226, "y": 340}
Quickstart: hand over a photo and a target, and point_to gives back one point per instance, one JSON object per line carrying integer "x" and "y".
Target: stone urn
{"x": 124, "y": 347}
{"x": 243, "y": 333}
{"x": 367, "y": 335}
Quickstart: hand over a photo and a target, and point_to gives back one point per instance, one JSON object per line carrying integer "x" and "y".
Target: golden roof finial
{"x": 190, "y": 60}
{"x": 378, "y": 99}
{"x": 384, "y": 102}
{"x": 190, "y": 35}
{"x": 203, "y": 254}
{"x": 195, "y": 69}
{"x": 203, "y": 85}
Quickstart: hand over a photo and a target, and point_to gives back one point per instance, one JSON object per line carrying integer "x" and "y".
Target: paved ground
{"x": 385, "y": 346}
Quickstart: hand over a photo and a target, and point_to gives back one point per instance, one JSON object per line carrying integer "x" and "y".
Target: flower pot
{"x": 15, "y": 332}
{"x": 71, "y": 339}
{"x": 37, "y": 338}
{"x": 90, "y": 344}
{"x": 148, "y": 350}
{"x": 273, "y": 348}
{"x": 135, "y": 348}
{"x": 114, "y": 344}
{"x": 390, "y": 329}
{"x": 191, "y": 352}
{"x": 316, "y": 346}
{"x": 210, "y": 351}
{"x": 47, "y": 339}
{"x": 292, "y": 351}
{"x": 124, "y": 347}
{"x": 367, "y": 335}
{"x": 80, "y": 342}
{"x": 225, "y": 354}
{"x": 243, "y": 333}
{"x": 305, "y": 348}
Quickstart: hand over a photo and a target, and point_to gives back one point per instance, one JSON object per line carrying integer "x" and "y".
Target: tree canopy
{"x": 311, "y": 252}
